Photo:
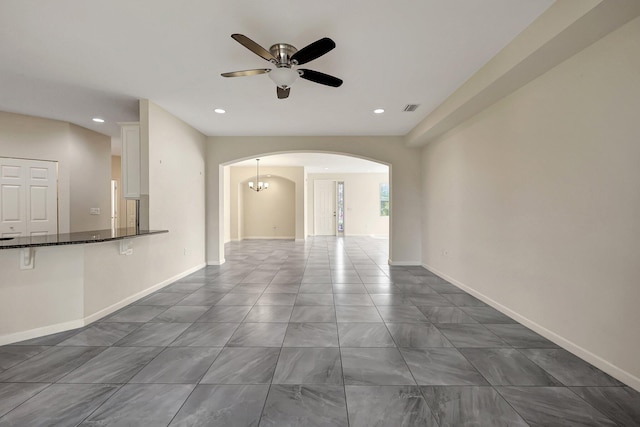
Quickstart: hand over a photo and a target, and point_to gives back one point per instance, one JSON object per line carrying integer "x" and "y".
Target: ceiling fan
{"x": 285, "y": 58}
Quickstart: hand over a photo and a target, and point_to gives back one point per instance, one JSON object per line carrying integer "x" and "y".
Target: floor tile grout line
{"x": 344, "y": 381}
{"x": 195, "y": 386}
{"x": 26, "y": 400}
{"x": 102, "y": 404}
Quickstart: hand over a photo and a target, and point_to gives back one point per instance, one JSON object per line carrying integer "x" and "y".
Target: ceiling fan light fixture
{"x": 283, "y": 77}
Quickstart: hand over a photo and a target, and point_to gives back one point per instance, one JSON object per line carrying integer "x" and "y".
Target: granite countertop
{"x": 93, "y": 236}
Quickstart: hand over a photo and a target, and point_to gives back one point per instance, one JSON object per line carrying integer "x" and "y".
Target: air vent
{"x": 411, "y": 107}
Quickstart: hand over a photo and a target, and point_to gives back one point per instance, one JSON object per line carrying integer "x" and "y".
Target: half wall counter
{"x": 54, "y": 283}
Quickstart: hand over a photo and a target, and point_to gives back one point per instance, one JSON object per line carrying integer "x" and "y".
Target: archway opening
{"x": 334, "y": 195}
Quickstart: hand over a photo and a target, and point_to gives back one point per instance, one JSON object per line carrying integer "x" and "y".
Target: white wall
{"x": 84, "y": 170}
{"x": 361, "y": 201}
{"x": 176, "y": 190}
{"x": 405, "y": 221}
{"x": 269, "y": 214}
{"x": 533, "y": 204}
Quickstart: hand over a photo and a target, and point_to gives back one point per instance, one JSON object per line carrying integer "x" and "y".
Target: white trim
{"x": 78, "y": 323}
{"x": 597, "y": 361}
{"x": 376, "y": 236}
{"x": 123, "y": 303}
{"x": 268, "y": 238}
{"x": 405, "y": 263}
{"x": 219, "y": 262}
{"x": 40, "y": 332}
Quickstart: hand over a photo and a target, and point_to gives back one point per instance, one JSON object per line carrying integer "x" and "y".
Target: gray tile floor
{"x": 322, "y": 333}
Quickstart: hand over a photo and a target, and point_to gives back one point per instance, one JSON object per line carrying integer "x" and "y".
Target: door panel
{"x": 12, "y": 200}
{"x": 38, "y": 203}
{"x": 324, "y": 210}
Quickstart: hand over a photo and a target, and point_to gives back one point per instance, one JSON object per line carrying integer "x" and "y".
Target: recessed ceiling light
{"x": 378, "y": 110}
{"x": 326, "y": 169}
{"x": 98, "y": 120}
{"x": 219, "y": 111}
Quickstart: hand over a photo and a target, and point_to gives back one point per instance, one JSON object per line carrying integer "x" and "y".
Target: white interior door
{"x": 13, "y": 212}
{"x": 42, "y": 200}
{"x": 324, "y": 208}
{"x": 28, "y": 199}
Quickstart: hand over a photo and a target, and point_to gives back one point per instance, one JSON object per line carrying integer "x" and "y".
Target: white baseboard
{"x": 135, "y": 297}
{"x": 219, "y": 262}
{"x": 40, "y": 332}
{"x": 375, "y": 236}
{"x": 597, "y": 361}
{"x": 78, "y": 323}
{"x": 268, "y": 238}
{"x": 404, "y": 263}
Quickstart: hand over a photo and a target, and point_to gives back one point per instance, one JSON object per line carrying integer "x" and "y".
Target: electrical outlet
{"x": 94, "y": 211}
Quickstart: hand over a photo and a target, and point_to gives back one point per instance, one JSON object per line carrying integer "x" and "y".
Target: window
{"x": 384, "y": 199}
{"x": 341, "y": 207}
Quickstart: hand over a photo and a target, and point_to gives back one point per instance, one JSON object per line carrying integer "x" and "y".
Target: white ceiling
{"x": 76, "y": 59}
{"x": 319, "y": 163}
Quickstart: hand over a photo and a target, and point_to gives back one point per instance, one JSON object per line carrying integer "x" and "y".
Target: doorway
{"x": 324, "y": 208}
{"x": 28, "y": 197}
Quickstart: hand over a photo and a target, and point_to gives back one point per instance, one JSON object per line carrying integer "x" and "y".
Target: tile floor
{"x": 322, "y": 333}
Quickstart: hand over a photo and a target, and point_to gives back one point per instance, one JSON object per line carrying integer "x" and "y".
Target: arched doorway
{"x": 316, "y": 177}
{"x": 404, "y": 183}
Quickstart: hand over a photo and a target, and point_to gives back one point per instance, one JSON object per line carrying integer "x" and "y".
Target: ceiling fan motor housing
{"x": 283, "y": 53}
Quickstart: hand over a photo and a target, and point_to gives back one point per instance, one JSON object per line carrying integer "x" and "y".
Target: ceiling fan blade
{"x": 322, "y": 78}
{"x": 246, "y": 72}
{"x": 283, "y": 93}
{"x": 313, "y": 51}
{"x": 253, "y": 47}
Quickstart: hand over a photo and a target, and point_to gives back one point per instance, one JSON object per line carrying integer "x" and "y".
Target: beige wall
{"x": 405, "y": 221}
{"x": 269, "y": 214}
{"x": 361, "y": 201}
{"x": 83, "y": 158}
{"x": 34, "y": 300}
{"x": 533, "y": 204}
{"x": 285, "y": 227}
{"x": 90, "y": 183}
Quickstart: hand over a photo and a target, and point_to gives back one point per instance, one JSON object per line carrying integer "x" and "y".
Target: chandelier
{"x": 261, "y": 185}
